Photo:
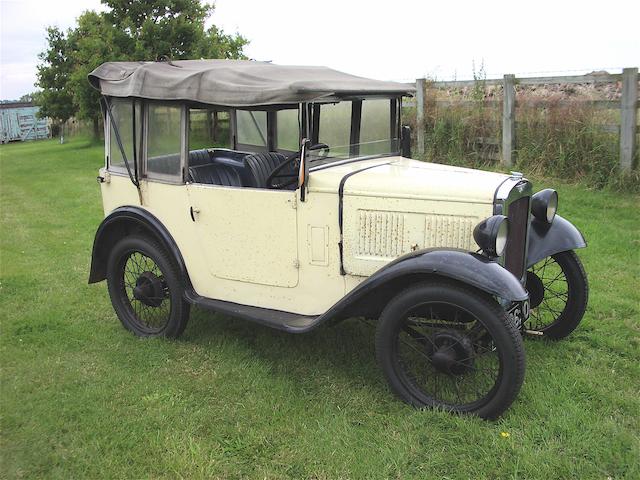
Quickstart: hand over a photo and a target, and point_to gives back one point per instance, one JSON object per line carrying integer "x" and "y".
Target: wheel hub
{"x": 453, "y": 353}
{"x": 535, "y": 288}
{"x": 149, "y": 289}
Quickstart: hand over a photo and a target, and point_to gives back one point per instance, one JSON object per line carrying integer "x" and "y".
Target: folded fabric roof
{"x": 234, "y": 83}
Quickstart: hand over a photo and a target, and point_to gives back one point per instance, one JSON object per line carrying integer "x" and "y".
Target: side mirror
{"x": 405, "y": 141}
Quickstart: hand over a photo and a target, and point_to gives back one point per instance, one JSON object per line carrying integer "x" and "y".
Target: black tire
{"x": 483, "y": 332}
{"x": 559, "y": 291}
{"x": 146, "y": 288}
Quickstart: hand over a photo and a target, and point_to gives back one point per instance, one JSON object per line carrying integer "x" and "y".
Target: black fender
{"x": 546, "y": 239}
{"x": 124, "y": 221}
{"x": 460, "y": 265}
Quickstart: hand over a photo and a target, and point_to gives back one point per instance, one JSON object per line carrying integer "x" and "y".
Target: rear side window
{"x": 122, "y": 115}
{"x": 208, "y": 129}
{"x": 164, "y": 142}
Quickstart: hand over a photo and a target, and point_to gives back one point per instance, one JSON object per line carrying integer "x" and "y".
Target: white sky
{"x": 388, "y": 40}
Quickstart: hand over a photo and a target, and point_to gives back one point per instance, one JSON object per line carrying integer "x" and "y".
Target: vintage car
{"x": 286, "y": 195}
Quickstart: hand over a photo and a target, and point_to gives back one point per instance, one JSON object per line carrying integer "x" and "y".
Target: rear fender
{"x": 125, "y": 221}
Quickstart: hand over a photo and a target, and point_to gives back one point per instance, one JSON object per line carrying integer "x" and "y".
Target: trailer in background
{"x": 19, "y": 122}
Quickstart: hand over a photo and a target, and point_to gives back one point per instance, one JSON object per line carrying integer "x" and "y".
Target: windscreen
{"x": 356, "y": 129}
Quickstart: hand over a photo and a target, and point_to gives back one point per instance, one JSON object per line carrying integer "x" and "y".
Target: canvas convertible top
{"x": 234, "y": 83}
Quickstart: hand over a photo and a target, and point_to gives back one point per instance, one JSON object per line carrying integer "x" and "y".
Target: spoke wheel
{"x": 559, "y": 291}
{"x": 145, "y": 289}
{"x": 449, "y": 363}
{"x": 449, "y": 347}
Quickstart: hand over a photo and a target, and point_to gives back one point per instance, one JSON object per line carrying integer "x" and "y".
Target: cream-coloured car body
{"x": 268, "y": 249}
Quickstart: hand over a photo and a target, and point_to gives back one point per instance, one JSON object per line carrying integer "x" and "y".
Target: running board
{"x": 289, "y": 322}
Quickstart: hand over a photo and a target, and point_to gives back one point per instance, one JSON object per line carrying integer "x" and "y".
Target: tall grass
{"x": 568, "y": 139}
{"x": 556, "y": 135}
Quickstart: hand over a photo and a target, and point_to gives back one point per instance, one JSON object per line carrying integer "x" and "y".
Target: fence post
{"x": 420, "y": 115}
{"x": 628, "y": 108}
{"x": 508, "y": 119}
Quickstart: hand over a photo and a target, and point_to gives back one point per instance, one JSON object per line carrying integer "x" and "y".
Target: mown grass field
{"x": 82, "y": 398}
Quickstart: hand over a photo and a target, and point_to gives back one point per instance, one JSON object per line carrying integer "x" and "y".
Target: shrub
{"x": 559, "y": 132}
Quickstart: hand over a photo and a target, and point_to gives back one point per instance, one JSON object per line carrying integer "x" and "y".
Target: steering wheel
{"x": 290, "y": 175}
{"x": 321, "y": 146}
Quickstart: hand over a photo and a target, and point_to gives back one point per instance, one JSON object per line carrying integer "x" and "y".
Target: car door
{"x": 247, "y": 234}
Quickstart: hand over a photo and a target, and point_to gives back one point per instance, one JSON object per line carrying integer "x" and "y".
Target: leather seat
{"x": 261, "y": 165}
{"x": 215, "y": 175}
{"x": 199, "y": 157}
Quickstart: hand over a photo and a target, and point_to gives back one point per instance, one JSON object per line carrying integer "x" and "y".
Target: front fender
{"x": 457, "y": 264}
{"x": 462, "y": 266}
{"x": 545, "y": 239}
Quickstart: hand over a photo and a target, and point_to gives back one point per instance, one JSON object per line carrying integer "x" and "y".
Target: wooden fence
{"x": 628, "y": 106}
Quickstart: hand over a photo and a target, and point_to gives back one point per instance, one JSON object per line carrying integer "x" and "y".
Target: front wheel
{"x": 559, "y": 292}
{"x": 146, "y": 288}
{"x": 446, "y": 346}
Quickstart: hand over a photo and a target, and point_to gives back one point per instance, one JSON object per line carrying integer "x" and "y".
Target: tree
{"x": 94, "y": 42}
{"x": 54, "y": 73}
{"x": 128, "y": 30}
{"x": 29, "y": 97}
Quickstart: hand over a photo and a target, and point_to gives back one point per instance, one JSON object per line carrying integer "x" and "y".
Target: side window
{"x": 122, "y": 114}
{"x": 208, "y": 129}
{"x": 375, "y": 127}
{"x": 335, "y": 126}
{"x": 287, "y": 130}
{"x": 164, "y": 142}
{"x": 252, "y": 130}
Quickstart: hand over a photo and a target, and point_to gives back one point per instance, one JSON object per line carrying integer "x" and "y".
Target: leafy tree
{"x": 128, "y": 30}
{"x": 94, "y": 41}
{"x": 173, "y": 28}
{"x": 28, "y": 97}
{"x": 55, "y": 98}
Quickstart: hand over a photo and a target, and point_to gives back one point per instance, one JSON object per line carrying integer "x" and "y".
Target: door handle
{"x": 192, "y": 212}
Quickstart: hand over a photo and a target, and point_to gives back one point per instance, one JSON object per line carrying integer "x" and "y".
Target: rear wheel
{"x": 146, "y": 288}
{"x": 559, "y": 292}
{"x": 446, "y": 346}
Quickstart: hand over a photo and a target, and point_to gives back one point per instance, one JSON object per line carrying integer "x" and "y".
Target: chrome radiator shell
{"x": 513, "y": 199}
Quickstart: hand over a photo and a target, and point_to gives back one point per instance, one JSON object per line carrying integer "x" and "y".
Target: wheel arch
{"x": 372, "y": 302}
{"x": 452, "y": 265}
{"x": 124, "y": 221}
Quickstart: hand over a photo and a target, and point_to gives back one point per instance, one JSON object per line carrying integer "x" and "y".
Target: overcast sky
{"x": 390, "y": 40}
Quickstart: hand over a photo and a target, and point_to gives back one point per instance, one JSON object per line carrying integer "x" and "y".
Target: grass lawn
{"x": 82, "y": 398}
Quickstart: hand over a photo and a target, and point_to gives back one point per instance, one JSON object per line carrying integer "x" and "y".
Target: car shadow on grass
{"x": 341, "y": 354}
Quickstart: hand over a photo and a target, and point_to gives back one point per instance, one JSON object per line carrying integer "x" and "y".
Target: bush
{"x": 557, "y": 134}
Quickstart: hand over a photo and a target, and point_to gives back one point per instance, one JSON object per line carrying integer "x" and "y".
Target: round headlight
{"x": 501, "y": 238}
{"x": 544, "y": 205}
{"x": 491, "y": 235}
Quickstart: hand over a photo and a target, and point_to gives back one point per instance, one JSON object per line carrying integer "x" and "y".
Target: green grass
{"x": 82, "y": 398}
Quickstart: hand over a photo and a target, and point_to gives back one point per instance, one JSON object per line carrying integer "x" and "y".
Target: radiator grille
{"x": 518, "y": 213}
